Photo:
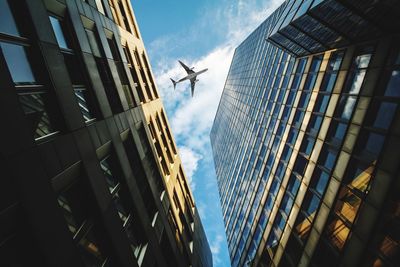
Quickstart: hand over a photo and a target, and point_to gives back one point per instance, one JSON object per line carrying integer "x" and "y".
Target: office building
{"x": 90, "y": 171}
{"x": 306, "y": 137}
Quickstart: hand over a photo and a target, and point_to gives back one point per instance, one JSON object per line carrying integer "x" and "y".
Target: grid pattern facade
{"x": 91, "y": 173}
{"x": 301, "y": 148}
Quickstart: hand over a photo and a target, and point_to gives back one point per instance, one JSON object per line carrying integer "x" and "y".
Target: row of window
{"x": 31, "y": 83}
{"x": 77, "y": 203}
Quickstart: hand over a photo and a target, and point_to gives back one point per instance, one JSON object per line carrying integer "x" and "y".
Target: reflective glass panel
{"x": 93, "y": 43}
{"x": 393, "y": 87}
{"x": 34, "y": 109}
{"x": 7, "y": 22}
{"x": 80, "y": 96}
{"x": 347, "y": 204}
{"x": 346, "y": 106}
{"x": 58, "y": 31}
{"x": 17, "y": 62}
{"x": 385, "y": 115}
{"x": 319, "y": 181}
{"x": 337, "y": 233}
{"x": 327, "y": 158}
{"x": 358, "y": 175}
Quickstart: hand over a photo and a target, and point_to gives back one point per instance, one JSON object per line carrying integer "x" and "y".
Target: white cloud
{"x": 215, "y": 247}
{"x": 190, "y": 160}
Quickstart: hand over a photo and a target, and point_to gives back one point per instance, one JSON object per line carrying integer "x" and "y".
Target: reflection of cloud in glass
{"x": 357, "y": 82}
{"x": 348, "y": 108}
{"x": 363, "y": 61}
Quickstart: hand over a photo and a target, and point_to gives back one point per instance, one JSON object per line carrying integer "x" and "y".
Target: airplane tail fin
{"x": 174, "y": 83}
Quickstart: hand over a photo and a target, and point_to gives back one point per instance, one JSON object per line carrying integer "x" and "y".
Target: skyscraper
{"x": 306, "y": 136}
{"x": 90, "y": 171}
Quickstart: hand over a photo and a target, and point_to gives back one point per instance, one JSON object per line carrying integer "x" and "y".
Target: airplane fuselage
{"x": 192, "y": 75}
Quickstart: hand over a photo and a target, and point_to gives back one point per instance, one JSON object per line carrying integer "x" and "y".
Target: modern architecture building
{"x": 306, "y": 137}
{"x": 90, "y": 171}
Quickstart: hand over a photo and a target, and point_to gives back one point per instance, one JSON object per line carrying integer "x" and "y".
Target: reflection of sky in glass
{"x": 385, "y": 115}
{"x": 393, "y": 87}
{"x": 7, "y": 22}
{"x": 17, "y": 63}
{"x": 374, "y": 143}
{"x": 322, "y": 181}
{"x": 55, "y": 23}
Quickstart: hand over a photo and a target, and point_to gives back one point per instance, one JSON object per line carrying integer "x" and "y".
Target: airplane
{"x": 192, "y": 76}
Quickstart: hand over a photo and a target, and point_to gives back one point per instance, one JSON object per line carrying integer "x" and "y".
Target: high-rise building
{"x": 306, "y": 137}
{"x": 90, "y": 171}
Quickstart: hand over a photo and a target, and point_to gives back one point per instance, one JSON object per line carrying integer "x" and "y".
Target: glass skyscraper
{"x": 306, "y": 137}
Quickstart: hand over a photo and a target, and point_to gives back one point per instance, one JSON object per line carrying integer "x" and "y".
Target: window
{"x": 336, "y": 133}
{"x": 322, "y": 103}
{"x": 314, "y": 124}
{"x": 303, "y": 102}
{"x": 18, "y": 63}
{"x": 134, "y": 74}
{"x": 125, "y": 20}
{"x": 74, "y": 67}
{"x": 94, "y": 43}
{"x": 58, "y": 31}
{"x": 7, "y": 22}
{"x": 355, "y": 77}
{"x": 337, "y": 232}
{"x": 293, "y": 185}
{"x": 302, "y": 227}
{"x": 358, "y": 175}
{"x": 300, "y": 165}
{"x": 33, "y": 96}
{"x": 77, "y": 203}
{"x": 392, "y": 88}
{"x": 104, "y": 71}
{"x": 34, "y": 107}
{"x": 108, "y": 165}
{"x": 307, "y": 146}
{"x": 121, "y": 72}
{"x": 319, "y": 181}
{"x": 310, "y": 205}
{"x": 327, "y": 158}
{"x": 381, "y": 114}
{"x": 345, "y": 107}
{"x": 100, "y": 6}
{"x": 354, "y": 82}
{"x": 370, "y": 145}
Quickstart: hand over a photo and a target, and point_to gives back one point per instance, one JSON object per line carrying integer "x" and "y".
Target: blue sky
{"x": 203, "y": 34}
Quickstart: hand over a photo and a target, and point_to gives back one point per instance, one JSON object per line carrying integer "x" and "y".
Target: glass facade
{"x": 299, "y": 136}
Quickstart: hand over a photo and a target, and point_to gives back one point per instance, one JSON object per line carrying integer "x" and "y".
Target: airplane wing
{"x": 188, "y": 70}
{"x": 192, "y": 84}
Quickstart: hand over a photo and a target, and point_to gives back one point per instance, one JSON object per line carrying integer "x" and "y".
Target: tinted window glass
{"x": 58, "y": 31}
{"x": 93, "y": 43}
{"x": 393, "y": 87}
{"x": 345, "y": 107}
{"x": 384, "y": 114}
{"x": 319, "y": 181}
{"x": 7, "y": 22}
{"x": 17, "y": 62}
